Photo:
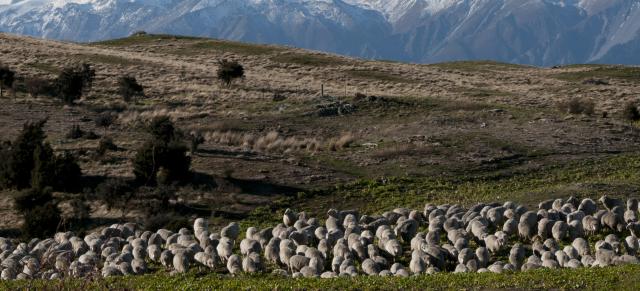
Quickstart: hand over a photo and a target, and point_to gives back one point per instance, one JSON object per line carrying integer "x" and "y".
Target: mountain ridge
{"x": 532, "y": 32}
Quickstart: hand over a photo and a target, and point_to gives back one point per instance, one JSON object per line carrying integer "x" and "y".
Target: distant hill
{"x": 535, "y": 32}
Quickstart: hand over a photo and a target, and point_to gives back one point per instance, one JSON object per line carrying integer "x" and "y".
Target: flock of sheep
{"x": 484, "y": 238}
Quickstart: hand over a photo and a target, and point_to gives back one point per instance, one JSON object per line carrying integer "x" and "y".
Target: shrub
{"x": 577, "y": 106}
{"x": 66, "y": 173}
{"x": 229, "y": 71}
{"x": 631, "y": 112}
{"x": 159, "y": 162}
{"x": 196, "y": 139}
{"x": 162, "y": 129}
{"x": 115, "y": 193}
{"x": 37, "y": 86}
{"x": 7, "y": 77}
{"x": 72, "y": 82}
{"x": 17, "y": 166}
{"x": 75, "y": 132}
{"x": 28, "y": 199}
{"x": 106, "y": 144}
{"x": 104, "y": 120}
{"x": 162, "y": 158}
{"x": 41, "y": 221}
{"x": 30, "y": 162}
{"x": 128, "y": 87}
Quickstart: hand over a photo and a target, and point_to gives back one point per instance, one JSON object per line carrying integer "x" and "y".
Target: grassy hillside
{"x": 313, "y": 131}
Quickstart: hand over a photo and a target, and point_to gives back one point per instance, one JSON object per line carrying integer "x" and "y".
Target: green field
{"x": 612, "y": 278}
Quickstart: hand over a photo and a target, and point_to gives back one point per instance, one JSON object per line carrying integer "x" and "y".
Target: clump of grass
{"x": 269, "y": 142}
{"x": 342, "y": 142}
{"x": 577, "y": 106}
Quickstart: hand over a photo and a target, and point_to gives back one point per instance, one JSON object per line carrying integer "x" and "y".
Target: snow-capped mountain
{"x": 539, "y": 32}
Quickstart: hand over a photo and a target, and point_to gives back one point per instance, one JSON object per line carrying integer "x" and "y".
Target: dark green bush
{"x": 28, "y": 199}
{"x": 631, "y": 112}
{"x": 73, "y": 81}
{"x": 229, "y": 71}
{"x": 115, "y": 193}
{"x": 7, "y": 76}
{"x": 162, "y": 158}
{"x": 41, "y": 221}
{"x": 17, "y": 166}
{"x": 30, "y": 162}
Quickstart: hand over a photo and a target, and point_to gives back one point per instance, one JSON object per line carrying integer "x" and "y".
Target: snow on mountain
{"x": 539, "y": 32}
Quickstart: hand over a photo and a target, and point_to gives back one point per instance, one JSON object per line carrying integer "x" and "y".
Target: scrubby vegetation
{"x": 7, "y": 76}
{"x": 72, "y": 82}
{"x": 162, "y": 159}
{"x": 228, "y": 71}
{"x": 129, "y": 88}
{"x": 292, "y": 135}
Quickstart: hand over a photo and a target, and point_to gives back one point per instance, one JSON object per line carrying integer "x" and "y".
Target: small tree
{"x": 631, "y": 112}
{"x": 115, "y": 193}
{"x": 41, "y": 221}
{"x": 17, "y": 167}
{"x": 41, "y": 215}
{"x": 105, "y": 120}
{"x": 229, "y": 71}
{"x": 73, "y": 82}
{"x": 128, "y": 87}
{"x": 162, "y": 159}
{"x": 7, "y": 77}
{"x": 30, "y": 162}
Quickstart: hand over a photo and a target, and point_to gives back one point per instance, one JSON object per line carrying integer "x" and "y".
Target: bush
{"x": 115, "y": 193}
{"x": 41, "y": 221}
{"x": 7, "y": 77}
{"x": 162, "y": 129}
{"x": 229, "y": 71}
{"x": 72, "y": 82}
{"x": 37, "y": 87}
{"x": 75, "y": 132}
{"x": 30, "y": 198}
{"x": 631, "y": 112}
{"x": 128, "y": 87}
{"x": 30, "y": 162}
{"x": 106, "y": 144}
{"x": 196, "y": 140}
{"x": 66, "y": 173}
{"x": 105, "y": 120}
{"x": 577, "y": 106}
{"x": 162, "y": 159}
{"x": 19, "y": 161}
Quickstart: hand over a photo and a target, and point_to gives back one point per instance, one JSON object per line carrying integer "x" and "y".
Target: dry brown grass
{"x": 271, "y": 142}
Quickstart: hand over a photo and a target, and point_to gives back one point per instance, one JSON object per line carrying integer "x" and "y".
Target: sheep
{"x": 225, "y": 247}
{"x": 297, "y": 262}
{"x": 559, "y": 230}
{"x": 609, "y": 203}
{"x": 588, "y": 206}
{"x": 494, "y": 244}
{"x": 180, "y": 262}
{"x": 230, "y": 231}
{"x": 234, "y": 265}
{"x": 370, "y": 267}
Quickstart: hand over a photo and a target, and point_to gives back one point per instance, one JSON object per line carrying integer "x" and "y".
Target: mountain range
{"x": 533, "y": 32}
